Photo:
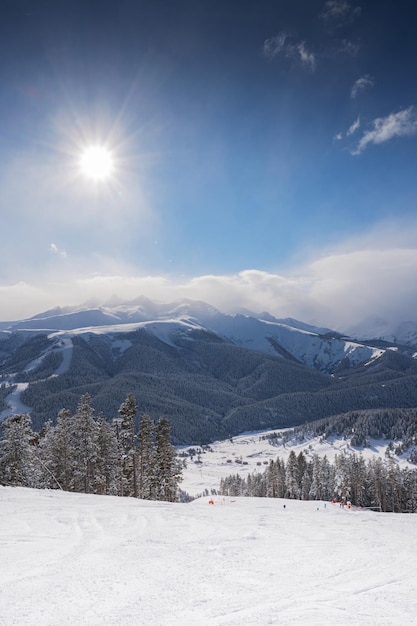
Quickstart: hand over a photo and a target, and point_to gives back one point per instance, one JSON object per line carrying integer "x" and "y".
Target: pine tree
{"x": 316, "y": 487}
{"x": 306, "y": 483}
{"x": 281, "y": 478}
{"x": 410, "y": 489}
{"x": 342, "y": 477}
{"x": 56, "y": 449}
{"x": 147, "y": 458}
{"x": 378, "y": 483}
{"x": 84, "y": 435}
{"x": 19, "y": 465}
{"x": 291, "y": 476}
{"x": 394, "y": 487}
{"x": 327, "y": 479}
{"x": 108, "y": 469}
{"x": 167, "y": 468}
{"x": 127, "y": 442}
{"x": 302, "y": 468}
{"x": 358, "y": 480}
{"x": 271, "y": 480}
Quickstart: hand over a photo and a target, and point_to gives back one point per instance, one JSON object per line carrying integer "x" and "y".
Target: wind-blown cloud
{"x": 401, "y": 124}
{"x": 338, "y": 289}
{"x": 55, "y": 250}
{"x": 339, "y": 12}
{"x": 350, "y": 131}
{"x": 354, "y": 127}
{"x": 364, "y": 82}
{"x": 284, "y": 44}
{"x": 347, "y": 47}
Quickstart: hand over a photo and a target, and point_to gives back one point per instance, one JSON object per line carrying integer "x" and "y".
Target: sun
{"x": 97, "y": 163}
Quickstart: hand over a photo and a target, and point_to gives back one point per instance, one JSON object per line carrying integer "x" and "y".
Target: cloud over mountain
{"x": 337, "y": 288}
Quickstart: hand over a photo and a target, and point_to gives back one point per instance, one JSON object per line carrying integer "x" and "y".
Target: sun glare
{"x": 97, "y": 163}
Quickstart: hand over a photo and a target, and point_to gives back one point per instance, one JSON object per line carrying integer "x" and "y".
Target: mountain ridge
{"x": 213, "y": 374}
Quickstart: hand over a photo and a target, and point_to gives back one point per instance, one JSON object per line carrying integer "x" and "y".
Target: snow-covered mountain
{"x": 213, "y": 374}
{"x": 320, "y": 348}
{"x": 403, "y": 333}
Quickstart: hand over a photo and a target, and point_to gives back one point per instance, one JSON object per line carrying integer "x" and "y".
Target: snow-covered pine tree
{"x": 127, "y": 444}
{"x": 377, "y": 483}
{"x": 84, "y": 434}
{"x": 410, "y": 486}
{"x": 56, "y": 451}
{"x": 327, "y": 479}
{"x": 306, "y": 482}
{"x": 147, "y": 458}
{"x": 394, "y": 487}
{"x": 271, "y": 480}
{"x": 291, "y": 477}
{"x": 316, "y": 487}
{"x": 358, "y": 479}
{"x": 342, "y": 480}
{"x": 168, "y": 471}
{"x": 19, "y": 465}
{"x": 108, "y": 467}
{"x": 280, "y": 472}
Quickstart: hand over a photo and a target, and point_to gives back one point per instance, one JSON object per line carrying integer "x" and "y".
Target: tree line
{"x": 399, "y": 425}
{"x": 349, "y": 478}
{"x": 85, "y": 453}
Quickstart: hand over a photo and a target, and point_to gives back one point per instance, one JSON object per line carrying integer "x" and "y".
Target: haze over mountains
{"x": 213, "y": 374}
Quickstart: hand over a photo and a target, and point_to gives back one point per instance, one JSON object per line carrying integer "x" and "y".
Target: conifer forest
{"x": 349, "y": 480}
{"x": 86, "y": 453}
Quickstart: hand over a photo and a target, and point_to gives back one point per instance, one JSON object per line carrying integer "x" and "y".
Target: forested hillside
{"x": 397, "y": 426}
{"x": 196, "y": 384}
{"x": 213, "y": 375}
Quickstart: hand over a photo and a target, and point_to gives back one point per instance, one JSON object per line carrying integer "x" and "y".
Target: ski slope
{"x": 76, "y": 559}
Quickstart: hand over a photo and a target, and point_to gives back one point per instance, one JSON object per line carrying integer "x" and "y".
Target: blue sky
{"x": 265, "y": 155}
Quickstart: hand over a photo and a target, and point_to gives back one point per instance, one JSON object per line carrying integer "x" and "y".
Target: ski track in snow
{"x": 75, "y": 559}
{"x": 13, "y": 400}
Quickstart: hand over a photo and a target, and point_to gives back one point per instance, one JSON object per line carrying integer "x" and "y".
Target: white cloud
{"x": 339, "y": 12}
{"x": 307, "y": 58}
{"x": 275, "y": 45}
{"x": 401, "y": 124}
{"x": 364, "y": 82}
{"x": 344, "y": 47}
{"x": 284, "y": 44}
{"x": 55, "y": 250}
{"x": 373, "y": 275}
{"x": 354, "y": 127}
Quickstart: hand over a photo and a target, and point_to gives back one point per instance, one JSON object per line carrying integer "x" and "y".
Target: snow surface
{"x": 13, "y": 401}
{"x": 101, "y": 560}
{"x": 252, "y": 452}
{"x": 313, "y": 346}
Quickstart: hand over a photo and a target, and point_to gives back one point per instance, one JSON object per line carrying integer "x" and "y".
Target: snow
{"x": 76, "y": 559}
{"x": 66, "y": 347}
{"x": 251, "y": 452}
{"x": 308, "y": 344}
{"x": 119, "y": 347}
{"x": 13, "y": 401}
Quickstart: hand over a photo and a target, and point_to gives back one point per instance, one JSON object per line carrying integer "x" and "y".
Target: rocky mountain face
{"x": 214, "y": 375}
